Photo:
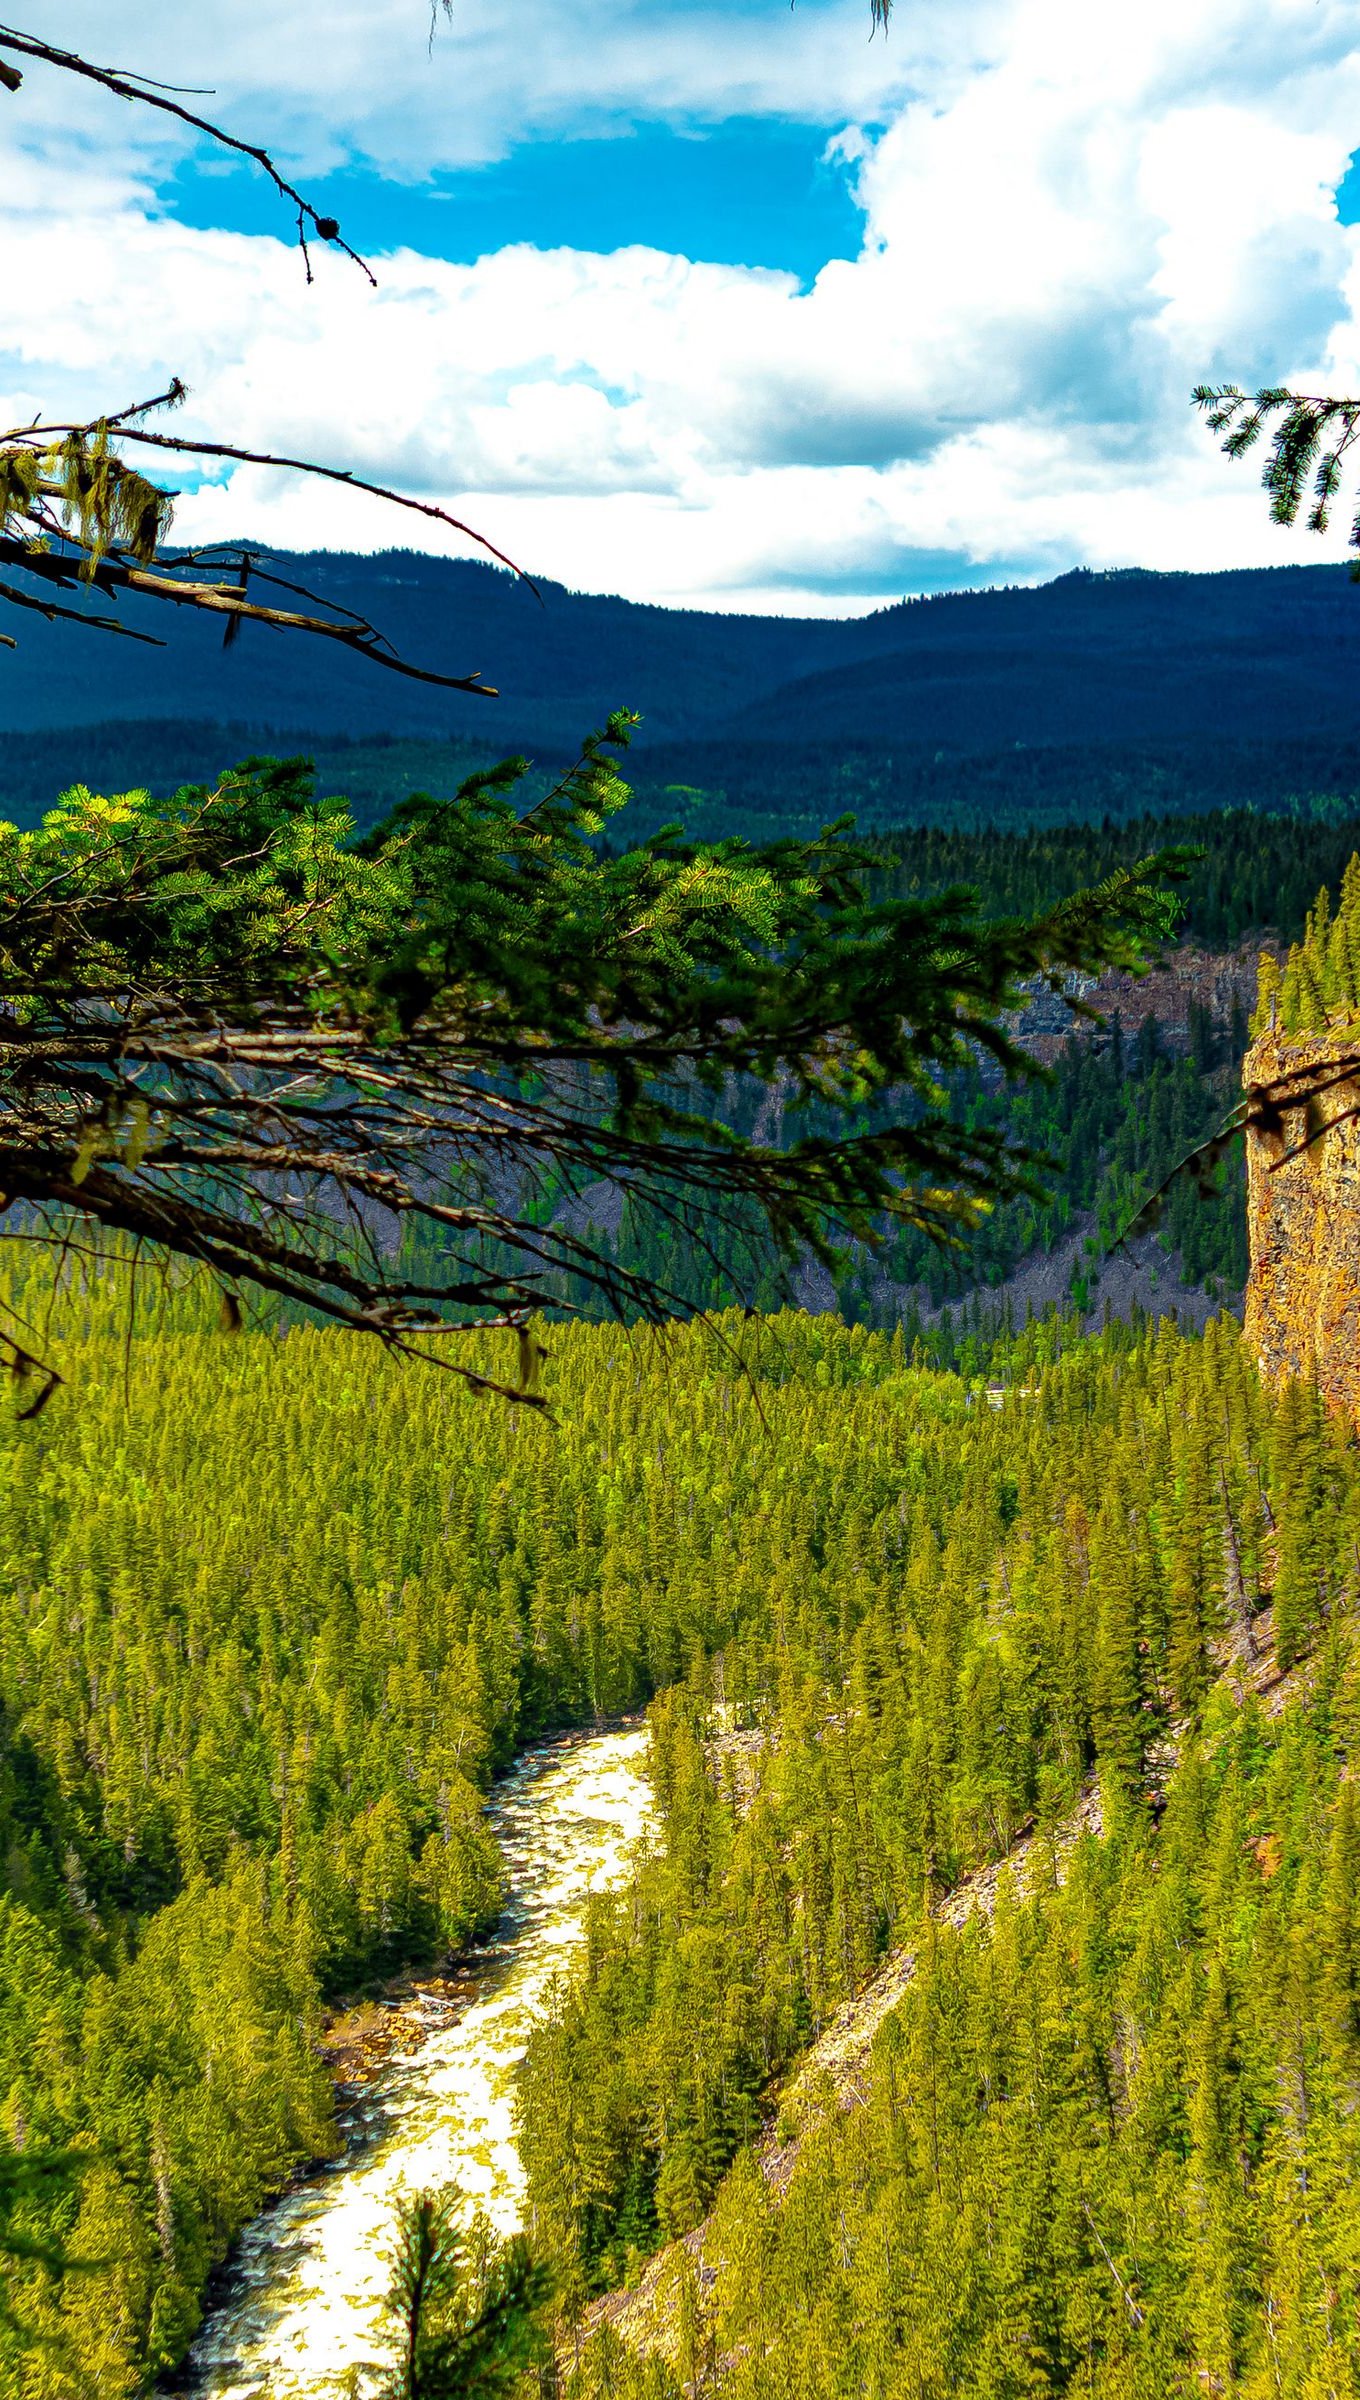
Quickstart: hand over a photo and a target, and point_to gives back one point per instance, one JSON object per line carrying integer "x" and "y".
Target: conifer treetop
{"x": 1317, "y": 988}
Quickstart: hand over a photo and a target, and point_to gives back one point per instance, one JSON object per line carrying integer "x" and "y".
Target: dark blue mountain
{"x": 1135, "y": 690}
{"x": 1087, "y": 658}
{"x": 561, "y": 661}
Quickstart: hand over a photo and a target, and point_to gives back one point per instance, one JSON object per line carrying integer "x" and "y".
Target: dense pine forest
{"x": 1291, "y": 799}
{"x": 1115, "y": 1113}
{"x": 1107, "y": 2142}
{"x": 276, "y": 1609}
{"x": 1258, "y": 870}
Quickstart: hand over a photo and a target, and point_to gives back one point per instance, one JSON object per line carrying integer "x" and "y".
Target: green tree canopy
{"x": 233, "y": 1036}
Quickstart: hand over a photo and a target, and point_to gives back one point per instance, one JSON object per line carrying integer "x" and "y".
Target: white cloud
{"x": 379, "y": 80}
{"x": 1071, "y": 217}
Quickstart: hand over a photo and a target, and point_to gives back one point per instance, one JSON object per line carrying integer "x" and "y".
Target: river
{"x": 299, "y": 2313}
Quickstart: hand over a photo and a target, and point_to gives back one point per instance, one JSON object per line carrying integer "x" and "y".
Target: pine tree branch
{"x": 1312, "y": 436}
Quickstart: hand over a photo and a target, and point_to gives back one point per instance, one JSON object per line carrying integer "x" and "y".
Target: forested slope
{"x": 273, "y": 1609}
{"x": 1107, "y": 2139}
{"x": 752, "y": 788}
{"x": 1111, "y": 1117}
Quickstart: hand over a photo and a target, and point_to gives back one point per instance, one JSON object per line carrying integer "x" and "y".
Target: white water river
{"x": 301, "y": 2312}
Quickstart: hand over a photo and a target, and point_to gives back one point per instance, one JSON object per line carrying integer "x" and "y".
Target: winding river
{"x": 299, "y": 2313}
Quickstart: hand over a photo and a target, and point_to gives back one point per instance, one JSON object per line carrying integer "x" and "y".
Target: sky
{"x": 739, "y": 308}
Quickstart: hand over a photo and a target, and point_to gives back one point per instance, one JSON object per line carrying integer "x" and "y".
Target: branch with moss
{"x": 74, "y": 515}
{"x": 74, "y": 511}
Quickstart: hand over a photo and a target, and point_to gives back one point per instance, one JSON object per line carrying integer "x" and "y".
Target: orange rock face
{"x": 1302, "y": 1315}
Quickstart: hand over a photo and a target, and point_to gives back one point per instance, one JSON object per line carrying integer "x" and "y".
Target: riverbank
{"x": 362, "y": 2031}
{"x": 426, "y": 2075}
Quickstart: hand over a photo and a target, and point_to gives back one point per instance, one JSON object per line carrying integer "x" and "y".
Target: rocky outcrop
{"x": 1219, "y": 983}
{"x": 1302, "y": 1314}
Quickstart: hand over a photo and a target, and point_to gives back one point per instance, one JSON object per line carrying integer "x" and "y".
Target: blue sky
{"x": 750, "y": 193}
{"x": 1348, "y": 194}
{"x": 732, "y": 306}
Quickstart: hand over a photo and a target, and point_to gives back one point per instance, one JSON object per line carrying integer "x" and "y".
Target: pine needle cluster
{"x": 1309, "y": 438}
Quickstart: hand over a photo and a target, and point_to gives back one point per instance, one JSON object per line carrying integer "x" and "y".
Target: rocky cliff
{"x": 1302, "y": 1313}
{"x": 1220, "y": 982}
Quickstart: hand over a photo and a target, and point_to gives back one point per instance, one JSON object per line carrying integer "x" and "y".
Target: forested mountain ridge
{"x": 1142, "y": 661}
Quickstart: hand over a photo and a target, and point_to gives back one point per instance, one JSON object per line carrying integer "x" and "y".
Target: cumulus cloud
{"x": 1070, "y": 218}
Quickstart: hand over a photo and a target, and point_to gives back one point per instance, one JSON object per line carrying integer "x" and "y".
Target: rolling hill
{"x": 1094, "y": 694}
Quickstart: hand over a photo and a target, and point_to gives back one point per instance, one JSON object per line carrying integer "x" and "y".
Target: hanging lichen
{"x": 104, "y": 503}
{"x": 81, "y": 487}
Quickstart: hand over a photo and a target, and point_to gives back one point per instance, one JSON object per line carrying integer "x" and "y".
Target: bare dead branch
{"x": 129, "y": 432}
{"x": 223, "y": 600}
{"x": 345, "y": 475}
{"x": 78, "y": 616}
{"x": 129, "y": 86}
{"x": 119, "y": 536}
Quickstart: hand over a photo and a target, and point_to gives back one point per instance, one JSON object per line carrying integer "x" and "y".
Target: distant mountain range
{"x": 1240, "y": 683}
